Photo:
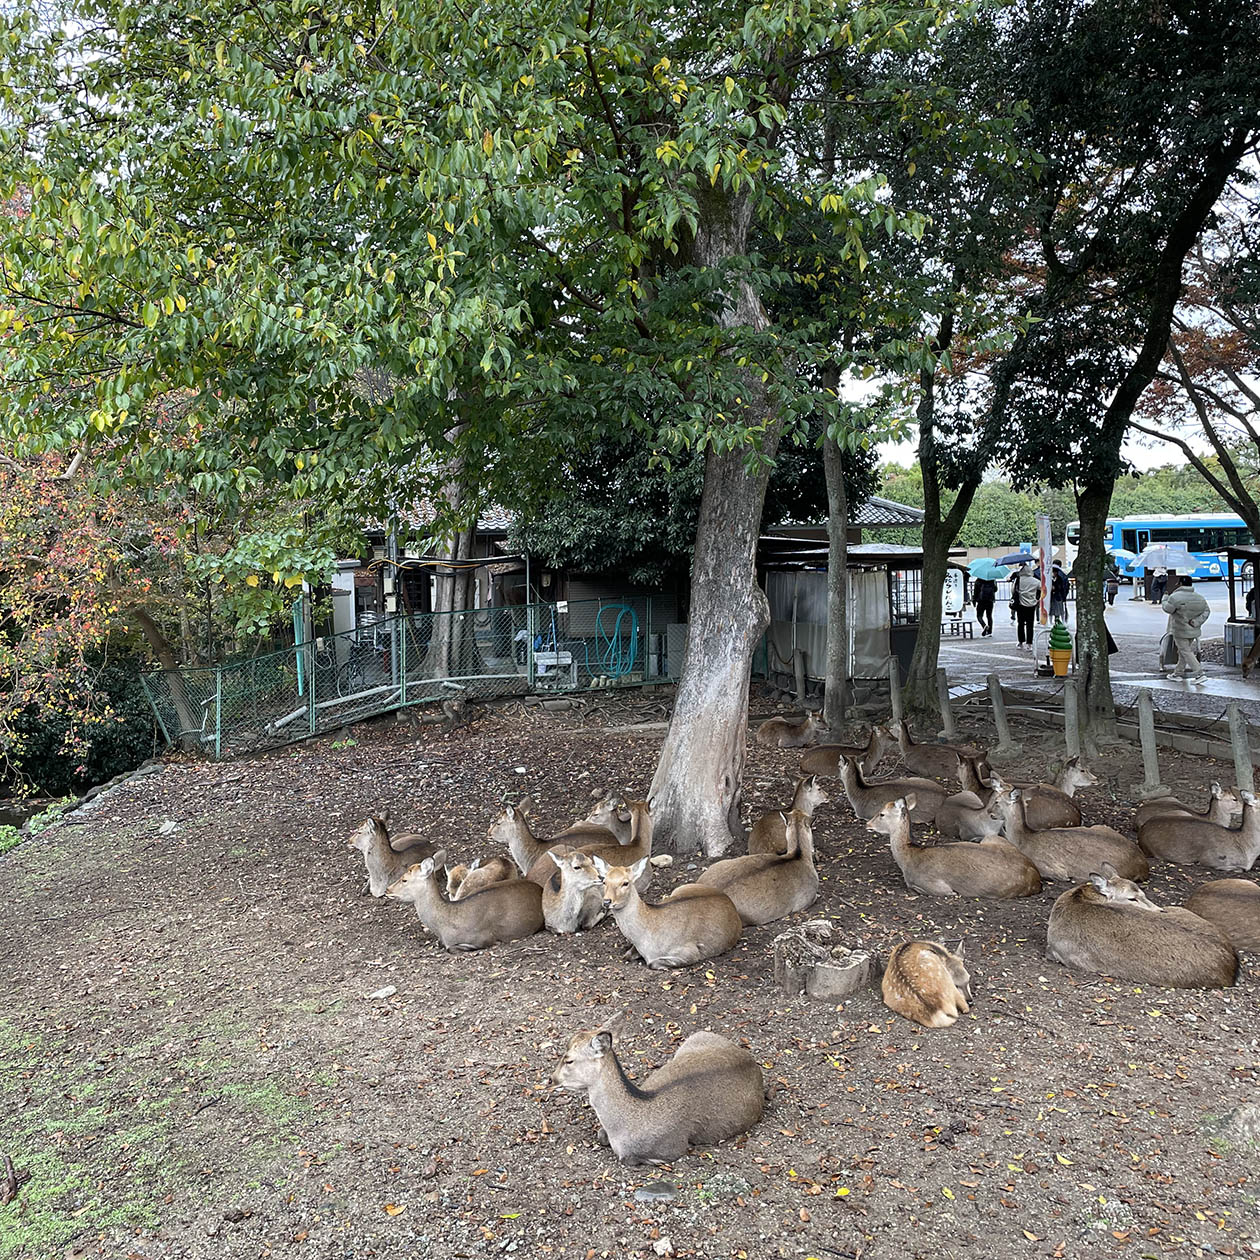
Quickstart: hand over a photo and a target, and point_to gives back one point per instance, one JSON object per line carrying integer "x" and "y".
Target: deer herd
{"x": 997, "y": 839}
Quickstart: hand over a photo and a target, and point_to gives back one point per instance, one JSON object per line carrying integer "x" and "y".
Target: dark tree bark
{"x": 1093, "y": 665}
{"x": 836, "y": 682}
{"x": 696, "y": 791}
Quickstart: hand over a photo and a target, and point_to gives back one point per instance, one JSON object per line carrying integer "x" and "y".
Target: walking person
{"x": 1025, "y": 594}
{"x": 1059, "y": 589}
{"x": 1111, "y": 584}
{"x": 1187, "y": 611}
{"x": 1159, "y": 584}
{"x": 984, "y": 596}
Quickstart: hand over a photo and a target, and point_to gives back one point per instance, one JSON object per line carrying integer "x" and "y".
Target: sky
{"x": 1143, "y": 455}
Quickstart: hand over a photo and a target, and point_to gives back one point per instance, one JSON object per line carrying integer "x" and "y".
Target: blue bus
{"x": 1205, "y": 535}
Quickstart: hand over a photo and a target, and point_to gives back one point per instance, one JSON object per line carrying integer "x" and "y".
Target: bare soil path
{"x": 191, "y": 1064}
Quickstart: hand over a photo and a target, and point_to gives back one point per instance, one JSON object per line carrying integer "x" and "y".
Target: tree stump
{"x": 806, "y": 962}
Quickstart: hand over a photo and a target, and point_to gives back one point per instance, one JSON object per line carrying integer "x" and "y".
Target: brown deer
{"x": 709, "y": 1091}
{"x": 505, "y": 911}
{"x": 767, "y": 886}
{"x": 384, "y": 858}
{"x": 927, "y": 984}
{"x": 1234, "y": 906}
{"x": 968, "y": 816}
{"x": 609, "y": 816}
{"x": 1067, "y": 853}
{"x": 827, "y": 759}
{"x": 462, "y": 880}
{"x": 784, "y": 733}
{"x": 992, "y": 868}
{"x": 1199, "y": 842}
{"x": 573, "y": 898}
{"x": 639, "y": 846}
{"x": 693, "y": 923}
{"x": 1045, "y": 804}
{"x": 868, "y": 799}
{"x": 769, "y": 832}
{"x": 1222, "y": 808}
{"x": 936, "y": 761}
{"x": 1109, "y": 926}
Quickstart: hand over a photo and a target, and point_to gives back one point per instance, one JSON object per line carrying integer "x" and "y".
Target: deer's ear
{"x": 601, "y": 1043}
{"x": 1109, "y": 871}
{"x": 910, "y": 801}
{"x": 1099, "y": 882}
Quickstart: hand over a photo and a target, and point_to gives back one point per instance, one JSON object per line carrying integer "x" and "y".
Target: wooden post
{"x": 1006, "y": 747}
{"x": 894, "y": 692}
{"x": 1072, "y": 717}
{"x": 1244, "y": 772}
{"x": 948, "y": 729}
{"x": 1151, "y": 785}
{"x": 798, "y": 669}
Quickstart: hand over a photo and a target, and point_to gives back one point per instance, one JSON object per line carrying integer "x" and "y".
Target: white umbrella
{"x": 1119, "y": 553}
{"x": 1162, "y": 556}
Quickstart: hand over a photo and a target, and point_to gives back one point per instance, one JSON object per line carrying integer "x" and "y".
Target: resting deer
{"x": 968, "y": 816}
{"x": 927, "y": 984}
{"x": 868, "y": 799}
{"x": 1233, "y": 905}
{"x": 463, "y": 880}
{"x": 709, "y": 1091}
{"x": 572, "y": 899}
{"x": 827, "y": 759}
{"x": 1109, "y": 925}
{"x": 1223, "y": 806}
{"x": 784, "y": 733}
{"x": 1200, "y": 842}
{"x": 639, "y": 846}
{"x": 1045, "y": 804}
{"x": 769, "y": 832}
{"x": 505, "y": 911}
{"x": 609, "y": 816}
{"x": 693, "y": 923}
{"x": 1067, "y": 853}
{"x": 937, "y": 761}
{"x": 384, "y": 858}
{"x": 767, "y": 886}
{"x": 992, "y": 868}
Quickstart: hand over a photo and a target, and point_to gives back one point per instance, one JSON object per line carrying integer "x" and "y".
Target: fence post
{"x": 948, "y": 729}
{"x": 1244, "y": 772}
{"x": 798, "y": 674}
{"x": 310, "y": 708}
{"x": 402, "y": 663}
{"x": 1151, "y": 786}
{"x": 1006, "y": 747}
{"x": 894, "y": 692}
{"x": 1072, "y": 717}
{"x": 531, "y": 627}
{"x": 218, "y": 712}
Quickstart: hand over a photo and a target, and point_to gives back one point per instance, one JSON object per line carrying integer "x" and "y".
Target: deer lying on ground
{"x": 827, "y": 759}
{"x": 463, "y": 880}
{"x": 1224, "y": 805}
{"x": 1066, "y": 853}
{"x": 937, "y": 761}
{"x": 968, "y": 816}
{"x": 868, "y": 799}
{"x": 530, "y": 854}
{"x": 767, "y": 886}
{"x": 1233, "y": 905}
{"x": 784, "y": 733}
{"x": 505, "y": 911}
{"x": 992, "y": 868}
{"x": 1197, "y": 841}
{"x": 693, "y": 923}
{"x": 709, "y": 1091}
{"x": 1045, "y": 804}
{"x": 384, "y": 858}
{"x": 609, "y": 816}
{"x": 769, "y": 832}
{"x": 927, "y": 984}
{"x": 1109, "y": 925}
{"x": 573, "y": 898}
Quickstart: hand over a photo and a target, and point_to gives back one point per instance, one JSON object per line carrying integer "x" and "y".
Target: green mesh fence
{"x": 479, "y": 654}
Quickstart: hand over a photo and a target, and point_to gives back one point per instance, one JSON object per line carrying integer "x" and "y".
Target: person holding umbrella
{"x": 1187, "y": 611}
{"x": 985, "y": 575}
{"x": 1025, "y": 596}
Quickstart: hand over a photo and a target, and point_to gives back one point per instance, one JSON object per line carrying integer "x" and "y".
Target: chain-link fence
{"x": 477, "y": 654}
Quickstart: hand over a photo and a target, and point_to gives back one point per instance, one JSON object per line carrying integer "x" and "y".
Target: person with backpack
{"x": 984, "y": 596}
{"x": 1025, "y": 595}
{"x": 1111, "y": 584}
{"x": 1058, "y": 592}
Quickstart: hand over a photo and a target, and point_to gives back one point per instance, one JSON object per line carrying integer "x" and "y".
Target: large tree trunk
{"x": 1093, "y": 666}
{"x": 696, "y": 791}
{"x": 836, "y": 684}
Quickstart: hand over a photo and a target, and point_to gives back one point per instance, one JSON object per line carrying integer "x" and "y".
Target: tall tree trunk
{"x": 1093, "y": 666}
{"x": 696, "y": 791}
{"x": 189, "y": 725}
{"x": 836, "y": 684}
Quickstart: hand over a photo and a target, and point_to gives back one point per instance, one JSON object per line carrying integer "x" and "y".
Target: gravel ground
{"x": 193, "y": 1063}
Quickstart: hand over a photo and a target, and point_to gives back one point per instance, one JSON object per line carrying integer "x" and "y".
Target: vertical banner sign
{"x": 1045, "y": 554}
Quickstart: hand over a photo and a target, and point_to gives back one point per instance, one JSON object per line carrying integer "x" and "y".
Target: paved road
{"x": 1138, "y": 629}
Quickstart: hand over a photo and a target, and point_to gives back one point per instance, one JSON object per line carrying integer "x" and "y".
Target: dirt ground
{"x": 193, "y": 1064}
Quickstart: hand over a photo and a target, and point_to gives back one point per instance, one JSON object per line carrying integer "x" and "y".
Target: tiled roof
{"x": 877, "y": 512}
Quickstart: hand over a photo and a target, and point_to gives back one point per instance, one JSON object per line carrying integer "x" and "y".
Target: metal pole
{"x": 1244, "y": 772}
{"x": 218, "y": 712}
{"x": 1006, "y": 747}
{"x": 1072, "y": 717}
{"x": 402, "y": 662}
{"x": 1151, "y": 786}
{"x": 894, "y": 692}
{"x": 948, "y": 728}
